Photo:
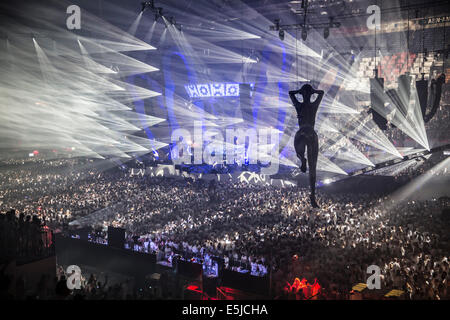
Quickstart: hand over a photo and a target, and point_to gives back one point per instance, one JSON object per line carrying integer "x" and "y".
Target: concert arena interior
{"x": 255, "y": 150}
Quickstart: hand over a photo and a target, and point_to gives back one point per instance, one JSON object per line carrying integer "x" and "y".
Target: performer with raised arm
{"x": 306, "y": 136}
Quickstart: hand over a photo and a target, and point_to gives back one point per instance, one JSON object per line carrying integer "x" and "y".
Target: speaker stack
{"x": 116, "y": 237}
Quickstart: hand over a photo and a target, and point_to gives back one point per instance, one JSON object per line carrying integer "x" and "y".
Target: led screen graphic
{"x": 213, "y": 90}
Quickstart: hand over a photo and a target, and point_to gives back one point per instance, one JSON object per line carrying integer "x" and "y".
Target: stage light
{"x": 171, "y": 21}
{"x": 159, "y": 13}
{"x": 277, "y": 24}
{"x": 304, "y": 34}
{"x": 281, "y": 34}
{"x": 327, "y": 181}
{"x": 148, "y": 4}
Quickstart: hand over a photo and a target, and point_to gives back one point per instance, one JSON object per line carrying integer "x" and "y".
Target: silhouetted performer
{"x": 306, "y": 136}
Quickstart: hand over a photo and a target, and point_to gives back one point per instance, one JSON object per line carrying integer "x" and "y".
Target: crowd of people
{"x": 93, "y": 286}
{"x": 57, "y": 191}
{"x": 23, "y": 237}
{"x": 253, "y": 228}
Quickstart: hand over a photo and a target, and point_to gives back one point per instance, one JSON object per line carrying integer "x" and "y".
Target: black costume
{"x": 306, "y": 136}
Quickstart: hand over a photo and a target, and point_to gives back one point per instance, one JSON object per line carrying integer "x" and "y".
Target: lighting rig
{"x": 304, "y": 27}
{"x": 158, "y": 11}
{"x": 171, "y": 21}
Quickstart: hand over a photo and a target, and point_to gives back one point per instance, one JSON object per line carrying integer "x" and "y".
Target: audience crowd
{"x": 254, "y": 229}
{"x": 23, "y": 238}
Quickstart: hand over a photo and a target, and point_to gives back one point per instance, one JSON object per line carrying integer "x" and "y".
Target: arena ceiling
{"x": 224, "y": 41}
